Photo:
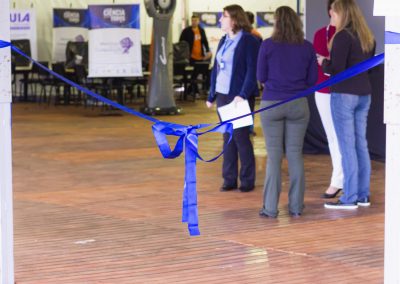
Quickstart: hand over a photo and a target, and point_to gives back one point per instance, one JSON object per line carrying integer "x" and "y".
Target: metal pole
{"x": 6, "y": 205}
{"x": 298, "y": 7}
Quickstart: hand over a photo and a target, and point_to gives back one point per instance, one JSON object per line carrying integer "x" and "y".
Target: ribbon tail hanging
{"x": 189, "y": 209}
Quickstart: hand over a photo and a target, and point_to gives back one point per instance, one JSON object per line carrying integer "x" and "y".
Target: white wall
{"x": 184, "y": 9}
{"x": 6, "y": 199}
{"x": 248, "y": 5}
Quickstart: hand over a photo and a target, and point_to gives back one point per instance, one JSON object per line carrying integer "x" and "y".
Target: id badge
{"x": 222, "y": 65}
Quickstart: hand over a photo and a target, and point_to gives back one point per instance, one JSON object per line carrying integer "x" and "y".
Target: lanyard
{"x": 327, "y": 33}
{"x": 228, "y": 42}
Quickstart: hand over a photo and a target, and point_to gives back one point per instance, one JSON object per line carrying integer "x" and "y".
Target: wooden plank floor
{"x": 94, "y": 202}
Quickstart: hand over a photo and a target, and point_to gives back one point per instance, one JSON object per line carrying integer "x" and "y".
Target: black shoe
{"x": 295, "y": 215}
{"x": 246, "y": 188}
{"x": 331, "y": 195}
{"x": 364, "y": 202}
{"x": 265, "y": 215}
{"x": 339, "y": 205}
{"x": 228, "y": 187}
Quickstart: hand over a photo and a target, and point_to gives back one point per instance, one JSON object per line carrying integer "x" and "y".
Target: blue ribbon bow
{"x": 188, "y": 139}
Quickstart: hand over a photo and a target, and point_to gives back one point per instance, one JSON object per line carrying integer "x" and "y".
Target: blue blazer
{"x": 244, "y": 69}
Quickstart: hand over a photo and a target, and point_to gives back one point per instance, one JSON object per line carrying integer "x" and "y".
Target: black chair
{"x": 145, "y": 57}
{"x": 25, "y": 46}
{"x": 22, "y": 64}
{"x": 38, "y": 77}
{"x": 200, "y": 68}
{"x": 43, "y": 79}
{"x": 139, "y": 83}
{"x": 181, "y": 55}
{"x": 81, "y": 78}
{"x": 76, "y": 53}
{"x": 56, "y": 86}
{"x": 13, "y": 79}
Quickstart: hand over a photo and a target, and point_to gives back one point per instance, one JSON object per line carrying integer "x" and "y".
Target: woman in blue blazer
{"x": 233, "y": 78}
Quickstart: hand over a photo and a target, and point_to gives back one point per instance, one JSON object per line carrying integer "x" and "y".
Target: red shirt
{"x": 321, "y": 40}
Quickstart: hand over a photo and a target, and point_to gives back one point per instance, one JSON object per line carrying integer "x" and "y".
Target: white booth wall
{"x": 183, "y": 11}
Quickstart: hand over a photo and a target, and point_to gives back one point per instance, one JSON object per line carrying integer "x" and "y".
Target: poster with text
{"x": 210, "y": 22}
{"x": 23, "y": 26}
{"x": 68, "y": 25}
{"x": 209, "y": 19}
{"x": 265, "y": 23}
{"x": 114, "y": 41}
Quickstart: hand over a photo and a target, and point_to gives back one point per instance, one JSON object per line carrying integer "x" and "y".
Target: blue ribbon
{"x": 188, "y": 135}
{"x": 4, "y": 44}
{"x": 392, "y": 38}
{"x": 188, "y": 138}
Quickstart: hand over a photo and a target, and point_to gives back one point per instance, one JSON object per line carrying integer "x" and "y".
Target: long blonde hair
{"x": 352, "y": 18}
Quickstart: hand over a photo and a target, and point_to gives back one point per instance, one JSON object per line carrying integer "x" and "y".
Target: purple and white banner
{"x": 210, "y": 22}
{"x": 114, "y": 41}
{"x": 23, "y": 26}
{"x": 265, "y": 23}
{"x": 68, "y": 25}
{"x": 209, "y": 19}
{"x": 265, "y": 19}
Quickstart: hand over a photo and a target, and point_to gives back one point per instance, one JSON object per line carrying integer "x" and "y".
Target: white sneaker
{"x": 339, "y": 205}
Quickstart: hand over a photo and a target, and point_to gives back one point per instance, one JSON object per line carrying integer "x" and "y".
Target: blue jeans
{"x": 349, "y": 113}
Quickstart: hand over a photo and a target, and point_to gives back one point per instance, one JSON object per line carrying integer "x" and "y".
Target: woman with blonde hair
{"x": 352, "y": 43}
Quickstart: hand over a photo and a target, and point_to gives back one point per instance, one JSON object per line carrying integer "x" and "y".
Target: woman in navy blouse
{"x": 287, "y": 65}
{"x": 233, "y": 78}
